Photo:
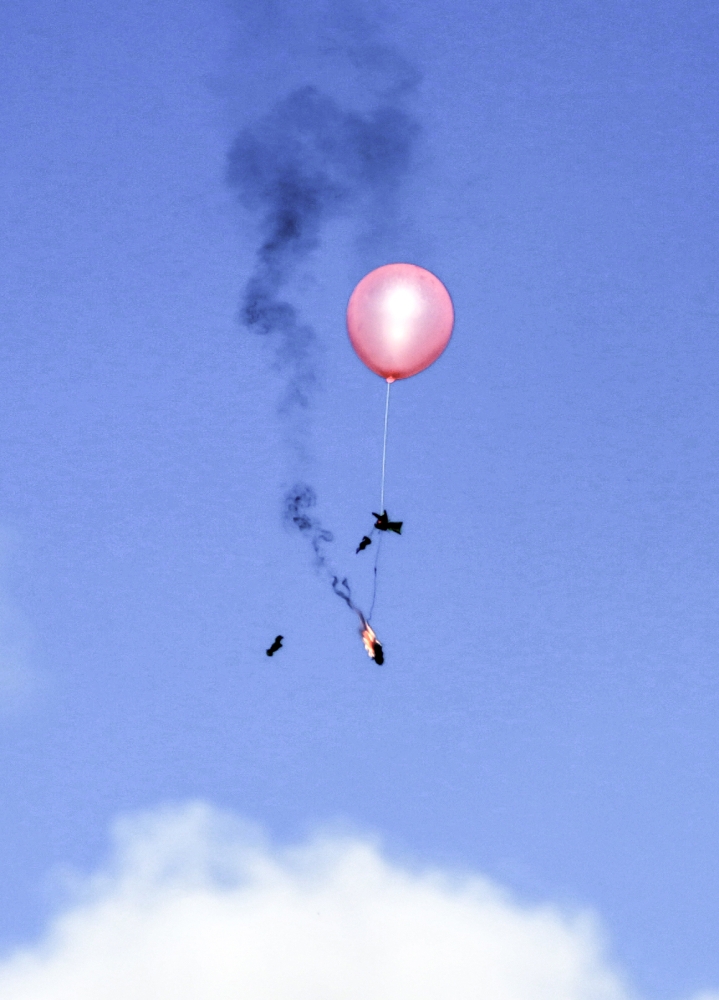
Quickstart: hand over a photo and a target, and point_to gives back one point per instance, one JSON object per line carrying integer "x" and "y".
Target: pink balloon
{"x": 399, "y": 319}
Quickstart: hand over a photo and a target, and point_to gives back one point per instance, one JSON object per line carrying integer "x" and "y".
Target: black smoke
{"x": 299, "y": 501}
{"x": 302, "y": 164}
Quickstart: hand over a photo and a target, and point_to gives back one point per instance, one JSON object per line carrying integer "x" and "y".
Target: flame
{"x": 368, "y": 639}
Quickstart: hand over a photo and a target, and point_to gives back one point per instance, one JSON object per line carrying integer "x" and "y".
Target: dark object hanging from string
{"x": 383, "y": 523}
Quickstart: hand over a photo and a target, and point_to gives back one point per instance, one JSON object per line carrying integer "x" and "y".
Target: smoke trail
{"x": 298, "y": 502}
{"x": 296, "y": 168}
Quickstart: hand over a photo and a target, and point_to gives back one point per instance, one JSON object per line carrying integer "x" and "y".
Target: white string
{"x": 381, "y": 504}
{"x": 384, "y": 447}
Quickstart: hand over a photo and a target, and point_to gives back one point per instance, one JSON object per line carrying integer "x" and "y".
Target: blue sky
{"x": 547, "y": 712}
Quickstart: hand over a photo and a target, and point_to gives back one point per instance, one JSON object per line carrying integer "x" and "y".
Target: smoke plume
{"x": 298, "y": 503}
{"x": 302, "y": 164}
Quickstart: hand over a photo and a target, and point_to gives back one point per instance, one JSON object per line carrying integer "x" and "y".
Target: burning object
{"x": 372, "y": 644}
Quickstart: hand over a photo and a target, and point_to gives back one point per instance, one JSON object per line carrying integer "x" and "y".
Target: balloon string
{"x": 374, "y": 585}
{"x": 384, "y": 446}
{"x": 381, "y": 503}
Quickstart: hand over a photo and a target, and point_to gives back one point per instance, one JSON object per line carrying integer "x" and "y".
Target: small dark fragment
{"x": 383, "y": 523}
{"x": 277, "y": 644}
{"x": 378, "y": 653}
{"x": 364, "y": 543}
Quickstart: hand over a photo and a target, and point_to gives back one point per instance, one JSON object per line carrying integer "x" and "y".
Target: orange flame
{"x": 368, "y": 639}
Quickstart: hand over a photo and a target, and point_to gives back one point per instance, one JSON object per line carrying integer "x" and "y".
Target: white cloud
{"x": 195, "y": 906}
